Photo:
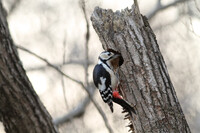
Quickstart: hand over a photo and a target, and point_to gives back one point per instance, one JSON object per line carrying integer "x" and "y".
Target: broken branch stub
{"x": 144, "y": 78}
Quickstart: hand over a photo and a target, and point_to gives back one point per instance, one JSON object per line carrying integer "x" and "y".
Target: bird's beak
{"x": 117, "y": 60}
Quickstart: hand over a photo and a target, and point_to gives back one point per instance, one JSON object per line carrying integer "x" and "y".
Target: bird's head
{"x": 112, "y": 58}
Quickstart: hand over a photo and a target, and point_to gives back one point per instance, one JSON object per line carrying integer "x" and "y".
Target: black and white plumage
{"x": 104, "y": 76}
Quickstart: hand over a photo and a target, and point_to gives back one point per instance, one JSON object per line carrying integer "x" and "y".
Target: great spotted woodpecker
{"x": 105, "y": 79}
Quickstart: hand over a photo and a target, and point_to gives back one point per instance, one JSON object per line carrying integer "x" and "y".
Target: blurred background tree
{"x": 56, "y": 31}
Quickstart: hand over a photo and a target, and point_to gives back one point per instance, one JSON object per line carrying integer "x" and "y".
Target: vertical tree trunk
{"x": 21, "y": 111}
{"x": 144, "y": 78}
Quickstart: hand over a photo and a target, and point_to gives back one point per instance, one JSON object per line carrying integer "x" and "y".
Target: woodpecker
{"x": 106, "y": 80}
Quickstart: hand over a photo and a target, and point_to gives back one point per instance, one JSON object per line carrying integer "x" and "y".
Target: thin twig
{"x": 76, "y": 112}
{"x": 160, "y": 7}
{"x": 59, "y": 65}
{"x": 63, "y": 85}
{"x": 82, "y": 2}
{"x": 195, "y": 2}
{"x": 160, "y": 27}
{"x": 87, "y": 37}
{"x": 192, "y": 28}
{"x": 14, "y": 6}
{"x": 49, "y": 64}
{"x": 72, "y": 79}
{"x": 159, "y": 2}
{"x": 62, "y": 78}
{"x": 137, "y": 6}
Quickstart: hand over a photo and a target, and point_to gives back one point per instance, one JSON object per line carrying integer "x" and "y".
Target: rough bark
{"x": 21, "y": 110}
{"x": 144, "y": 77}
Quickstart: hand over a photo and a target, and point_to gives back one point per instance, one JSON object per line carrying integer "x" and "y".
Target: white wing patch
{"x": 113, "y": 77}
{"x": 102, "y": 86}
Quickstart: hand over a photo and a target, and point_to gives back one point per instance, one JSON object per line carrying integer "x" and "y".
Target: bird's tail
{"x": 117, "y": 99}
{"x": 110, "y": 104}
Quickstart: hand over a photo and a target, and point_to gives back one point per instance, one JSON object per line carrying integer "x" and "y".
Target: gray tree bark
{"x": 21, "y": 110}
{"x": 144, "y": 77}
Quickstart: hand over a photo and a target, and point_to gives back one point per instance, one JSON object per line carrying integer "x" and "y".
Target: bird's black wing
{"x": 98, "y": 72}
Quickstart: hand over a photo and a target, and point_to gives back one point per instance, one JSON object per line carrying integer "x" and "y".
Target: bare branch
{"x": 76, "y": 112}
{"x": 87, "y": 37}
{"x": 14, "y": 6}
{"x": 64, "y": 47}
{"x": 59, "y": 65}
{"x": 136, "y": 3}
{"x": 136, "y": 6}
{"x": 77, "y": 81}
{"x": 160, "y": 27}
{"x": 159, "y": 2}
{"x": 82, "y": 2}
{"x": 192, "y": 28}
{"x": 62, "y": 78}
{"x": 161, "y": 7}
{"x": 195, "y": 2}
{"x": 49, "y": 64}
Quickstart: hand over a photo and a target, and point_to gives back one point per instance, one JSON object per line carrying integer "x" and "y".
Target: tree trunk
{"x": 144, "y": 77}
{"x": 21, "y": 110}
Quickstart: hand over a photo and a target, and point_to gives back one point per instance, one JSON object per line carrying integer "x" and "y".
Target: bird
{"x": 106, "y": 80}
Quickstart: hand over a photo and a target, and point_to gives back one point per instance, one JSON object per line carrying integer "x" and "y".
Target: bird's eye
{"x": 109, "y": 54}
